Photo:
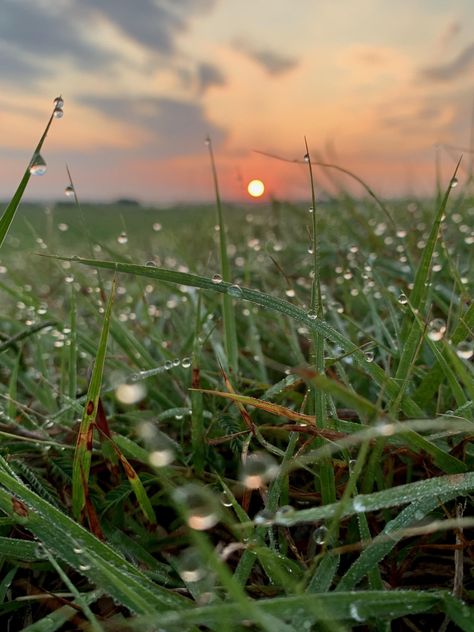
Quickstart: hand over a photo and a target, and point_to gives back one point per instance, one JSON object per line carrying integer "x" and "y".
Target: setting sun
{"x": 256, "y": 188}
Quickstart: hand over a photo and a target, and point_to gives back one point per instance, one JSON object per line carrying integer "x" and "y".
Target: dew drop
{"x": 436, "y": 329}
{"x": 190, "y": 566}
{"x": 401, "y": 233}
{"x": 58, "y": 112}
{"x": 168, "y": 365}
{"x": 403, "y": 299}
{"x": 465, "y": 350}
{"x": 284, "y": 512}
{"x": 234, "y": 290}
{"x": 84, "y": 567}
{"x": 226, "y": 500}
{"x": 306, "y": 157}
{"x": 163, "y": 453}
{"x": 130, "y": 393}
{"x": 265, "y": 517}
{"x": 38, "y": 166}
{"x": 258, "y": 469}
{"x": 369, "y": 356}
{"x": 58, "y": 102}
{"x": 320, "y": 535}
{"x": 157, "y": 227}
{"x": 199, "y": 506}
{"x": 358, "y": 504}
{"x": 186, "y": 363}
{"x": 354, "y": 612}
{"x": 312, "y": 314}
{"x": 151, "y": 264}
{"x": 77, "y": 550}
{"x": 122, "y": 238}
{"x": 216, "y": 279}
{"x": 290, "y": 293}
{"x": 311, "y": 210}
{"x": 454, "y": 182}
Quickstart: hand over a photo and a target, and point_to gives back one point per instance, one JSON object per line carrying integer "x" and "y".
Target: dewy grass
{"x": 285, "y": 547}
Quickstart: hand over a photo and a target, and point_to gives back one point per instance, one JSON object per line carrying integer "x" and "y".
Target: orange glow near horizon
{"x": 256, "y": 188}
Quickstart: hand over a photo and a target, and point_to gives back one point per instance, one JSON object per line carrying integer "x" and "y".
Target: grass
{"x": 285, "y": 446}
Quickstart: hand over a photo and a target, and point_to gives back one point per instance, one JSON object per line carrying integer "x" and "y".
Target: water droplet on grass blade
{"x": 38, "y": 166}
{"x": 465, "y": 350}
{"x": 163, "y": 452}
{"x": 58, "y": 113}
{"x": 436, "y": 329}
{"x": 216, "y": 279}
{"x": 369, "y": 356}
{"x": 264, "y": 517}
{"x": 258, "y": 469}
{"x": 403, "y": 299}
{"x": 186, "y": 363}
{"x": 312, "y": 314}
{"x": 190, "y": 566}
{"x": 454, "y": 182}
{"x": 234, "y": 290}
{"x": 320, "y": 535}
{"x": 130, "y": 393}
{"x": 199, "y": 506}
{"x": 122, "y": 238}
{"x": 58, "y": 102}
{"x": 284, "y": 512}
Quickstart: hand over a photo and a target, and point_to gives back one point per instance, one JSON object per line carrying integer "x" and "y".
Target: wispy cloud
{"x": 174, "y": 127}
{"x": 274, "y": 63}
{"x": 209, "y": 75}
{"x": 449, "y": 71}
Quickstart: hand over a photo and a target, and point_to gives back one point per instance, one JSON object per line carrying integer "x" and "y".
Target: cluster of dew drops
{"x": 38, "y": 166}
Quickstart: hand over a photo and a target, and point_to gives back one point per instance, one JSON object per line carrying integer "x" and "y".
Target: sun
{"x": 256, "y": 188}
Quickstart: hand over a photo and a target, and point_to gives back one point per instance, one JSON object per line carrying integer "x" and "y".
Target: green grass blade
{"x": 9, "y": 213}
{"x": 230, "y": 329}
{"x": 272, "y": 303}
{"x": 83, "y": 452}
{"x": 82, "y": 551}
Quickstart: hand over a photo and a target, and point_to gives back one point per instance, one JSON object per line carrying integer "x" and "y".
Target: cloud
{"x": 209, "y": 75}
{"x": 44, "y": 32}
{"x": 15, "y": 67}
{"x": 274, "y": 63}
{"x": 174, "y": 127}
{"x": 154, "y": 24}
{"x": 452, "y": 70}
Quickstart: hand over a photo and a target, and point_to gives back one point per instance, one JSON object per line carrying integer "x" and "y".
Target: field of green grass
{"x": 238, "y": 418}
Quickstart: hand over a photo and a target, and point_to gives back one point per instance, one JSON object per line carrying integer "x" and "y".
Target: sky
{"x": 377, "y": 87}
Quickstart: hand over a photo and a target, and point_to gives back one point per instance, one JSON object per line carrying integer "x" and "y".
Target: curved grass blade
{"x": 83, "y": 452}
{"x": 9, "y": 213}
{"x": 228, "y": 312}
{"x": 84, "y": 552}
{"x": 272, "y": 303}
{"x": 439, "y": 487}
{"x": 350, "y": 607}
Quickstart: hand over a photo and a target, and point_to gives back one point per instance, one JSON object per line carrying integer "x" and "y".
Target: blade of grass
{"x": 230, "y": 329}
{"x": 9, "y": 213}
{"x": 83, "y": 452}
{"x": 326, "y": 471}
{"x": 83, "y": 551}
{"x": 269, "y": 302}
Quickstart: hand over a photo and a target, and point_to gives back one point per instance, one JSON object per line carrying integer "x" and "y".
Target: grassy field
{"x": 242, "y": 418}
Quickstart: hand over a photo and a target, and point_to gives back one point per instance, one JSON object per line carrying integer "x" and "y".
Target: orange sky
{"x": 374, "y": 85}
